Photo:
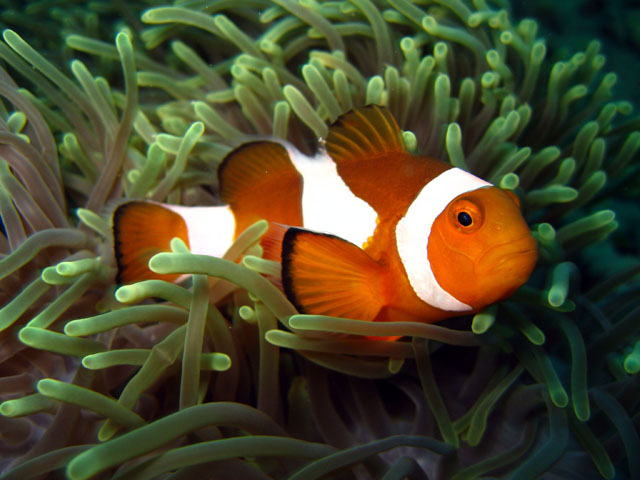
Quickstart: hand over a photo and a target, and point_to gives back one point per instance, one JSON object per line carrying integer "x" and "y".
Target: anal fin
{"x": 140, "y": 230}
{"x": 326, "y": 275}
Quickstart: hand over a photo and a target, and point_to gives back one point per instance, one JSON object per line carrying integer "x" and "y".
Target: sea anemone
{"x": 223, "y": 377}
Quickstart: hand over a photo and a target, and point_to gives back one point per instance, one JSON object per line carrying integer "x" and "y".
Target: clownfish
{"x": 364, "y": 231}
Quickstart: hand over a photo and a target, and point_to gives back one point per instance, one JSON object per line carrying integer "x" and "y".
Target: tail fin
{"x": 140, "y": 230}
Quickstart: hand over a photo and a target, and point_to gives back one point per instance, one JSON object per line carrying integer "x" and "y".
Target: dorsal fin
{"x": 259, "y": 181}
{"x": 363, "y": 132}
{"x": 367, "y": 146}
{"x": 140, "y": 230}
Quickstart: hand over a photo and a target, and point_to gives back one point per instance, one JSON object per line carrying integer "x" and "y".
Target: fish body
{"x": 365, "y": 230}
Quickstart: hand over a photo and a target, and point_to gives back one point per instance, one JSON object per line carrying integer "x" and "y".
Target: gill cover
{"x": 414, "y": 230}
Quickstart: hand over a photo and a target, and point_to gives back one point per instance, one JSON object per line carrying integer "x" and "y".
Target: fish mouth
{"x": 514, "y": 258}
{"x": 519, "y": 258}
{"x": 506, "y": 267}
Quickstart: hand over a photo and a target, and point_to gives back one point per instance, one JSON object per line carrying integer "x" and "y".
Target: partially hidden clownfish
{"x": 366, "y": 231}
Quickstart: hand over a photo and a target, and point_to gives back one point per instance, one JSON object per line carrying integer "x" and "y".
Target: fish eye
{"x": 466, "y": 215}
{"x": 464, "y": 219}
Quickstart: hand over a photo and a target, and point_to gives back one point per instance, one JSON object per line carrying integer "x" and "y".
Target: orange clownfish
{"x": 364, "y": 231}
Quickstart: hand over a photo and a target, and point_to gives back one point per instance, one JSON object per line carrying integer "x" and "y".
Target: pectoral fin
{"x": 326, "y": 275}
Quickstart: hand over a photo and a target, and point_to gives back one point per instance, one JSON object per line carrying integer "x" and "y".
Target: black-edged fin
{"x": 326, "y": 275}
{"x": 362, "y": 133}
{"x": 271, "y": 241}
{"x": 140, "y": 230}
{"x": 259, "y": 181}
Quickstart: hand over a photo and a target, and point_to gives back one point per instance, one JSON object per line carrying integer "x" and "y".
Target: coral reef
{"x": 224, "y": 378}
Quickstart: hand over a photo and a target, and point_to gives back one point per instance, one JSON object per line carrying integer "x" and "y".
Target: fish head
{"x": 480, "y": 248}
